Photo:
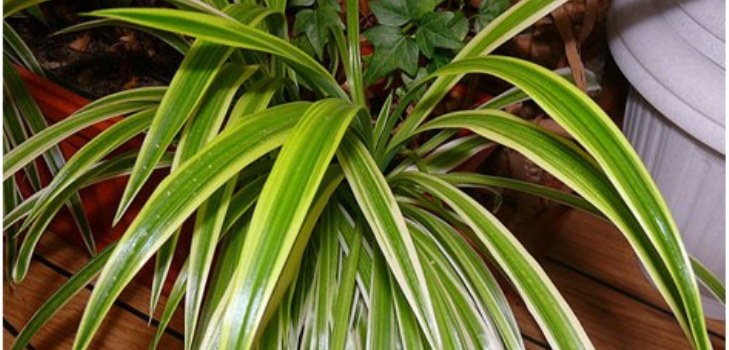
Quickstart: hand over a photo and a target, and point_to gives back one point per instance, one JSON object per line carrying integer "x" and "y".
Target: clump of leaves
{"x": 330, "y": 231}
{"x": 407, "y": 29}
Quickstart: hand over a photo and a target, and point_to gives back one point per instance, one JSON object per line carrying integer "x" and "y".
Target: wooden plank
{"x": 611, "y": 319}
{"x": 120, "y": 330}
{"x": 597, "y": 248}
{"x": 59, "y": 252}
{"x": 7, "y": 339}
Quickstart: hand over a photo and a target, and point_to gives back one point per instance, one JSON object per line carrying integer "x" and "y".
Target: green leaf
{"x": 90, "y": 153}
{"x": 381, "y": 324}
{"x": 476, "y": 275}
{"x": 22, "y": 51}
{"x": 46, "y": 206}
{"x": 489, "y": 10}
{"x": 325, "y": 284}
{"x": 478, "y": 180}
{"x": 301, "y": 3}
{"x": 177, "y": 197}
{"x": 399, "y": 12}
{"x": 554, "y": 316}
{"x": 211, "y": 214}
{"x": 393, "y": 50}
{"x": 354, "y": 58}
{"x": 244, "y": 200}
{"x": 344, "y": 299}
{"x": 594, "y": 130}
{"x": 459, "y": 26}
{"x": 434, "y": 31}
{"x": 99, "y": 110}
{"x": 215, "y": 301}
{"x": 515, "y": 95}
{"x": 709, "y": 280}
{"x": 380, "y": 132}
{"x": 17, "y": 93}
{"x": 332, "y": 178}
{"x": 572, "y": 166}
{"x": 173, "y": 302}
{"x": 197, "y": 133}
{"x": 470, "y": 320}
{"x": 11, "y": 7}
{"x": 186, "y": 91}
{"x": 118, "y": 166}
{"x": 316, "y": 25}
{"x": 410, "y": 334}
{"x": 452, "y": 154}
{"x": 388, "y": 226}
{"x": 280, "y": 212}
{"x": 14, "y": 132}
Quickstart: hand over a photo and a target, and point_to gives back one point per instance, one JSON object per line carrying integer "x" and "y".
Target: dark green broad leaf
{"x": 489, "y": 10}
{"x": 459, "y": 25}
{"x": 301, "y": 3}
{"x": 435, "y": 31}
{"x": 393, "y": 50}
{"x": 316, "y": 25}
{"x": 440, "y": 58}
{"x": 399, "y": 12}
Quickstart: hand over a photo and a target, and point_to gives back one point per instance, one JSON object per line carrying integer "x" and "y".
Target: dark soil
{"x": 95, "y": 62}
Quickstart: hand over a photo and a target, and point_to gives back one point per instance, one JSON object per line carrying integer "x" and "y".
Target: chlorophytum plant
{"x": 317, "y": 224}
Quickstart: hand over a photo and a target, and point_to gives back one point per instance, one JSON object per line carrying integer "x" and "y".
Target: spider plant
{"x": 316, "y": 224}
{"x": 23, "y": 118}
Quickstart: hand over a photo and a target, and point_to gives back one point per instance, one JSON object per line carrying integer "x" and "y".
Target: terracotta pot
{"x": 100, "y": 200}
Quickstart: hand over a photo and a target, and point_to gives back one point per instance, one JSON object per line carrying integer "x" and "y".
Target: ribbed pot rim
{"x": 682, "y": 78}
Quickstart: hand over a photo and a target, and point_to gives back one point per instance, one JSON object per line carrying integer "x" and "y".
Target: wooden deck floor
{"x": 587, "y": 259}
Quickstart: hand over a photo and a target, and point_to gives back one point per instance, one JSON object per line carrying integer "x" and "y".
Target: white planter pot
{"x": 672, "y": 52}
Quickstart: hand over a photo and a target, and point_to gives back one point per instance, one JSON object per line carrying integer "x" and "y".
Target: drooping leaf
{"x": 26, "y": 107}
{"x": 21, "y": 51}
{"x": 554, "y": 316}
{"x": 46, "y": 206}
{"x": 593, "y": 129}
{"x": 571, "y": 165}
{"x": 102, "y": 109}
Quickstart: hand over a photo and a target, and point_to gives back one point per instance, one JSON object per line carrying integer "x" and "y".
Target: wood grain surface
{"x": 587, "y": 258}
